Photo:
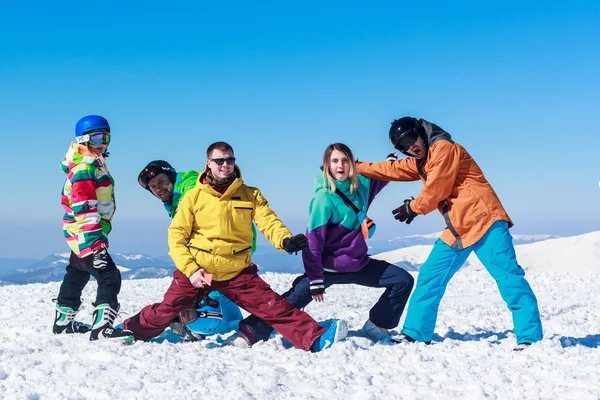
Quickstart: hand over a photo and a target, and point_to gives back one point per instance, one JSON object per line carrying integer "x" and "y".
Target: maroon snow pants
{"x": 152, "y": 320}
{"x": 247, "y": 290}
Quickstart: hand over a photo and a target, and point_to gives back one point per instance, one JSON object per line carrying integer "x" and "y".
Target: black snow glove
{"x": 392, "y": 157}
{"x": 296, "y": 243}
{"x": 100, "y": 259}
{"x": 317, "y": 288}
{"x": 404, "y": 213}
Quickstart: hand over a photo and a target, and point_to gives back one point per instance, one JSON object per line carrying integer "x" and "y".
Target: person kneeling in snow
{"x": 475, "y": 218}
{"x": 212, "y": 234}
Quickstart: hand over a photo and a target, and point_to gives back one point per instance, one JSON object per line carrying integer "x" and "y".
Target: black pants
{"x": 78, "y": 275}
{"x": 385, "y": 313}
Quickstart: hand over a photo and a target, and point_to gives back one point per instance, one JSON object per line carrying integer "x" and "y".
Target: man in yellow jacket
{"x": 210, "y": 241}
{"x": 475, "y": 218}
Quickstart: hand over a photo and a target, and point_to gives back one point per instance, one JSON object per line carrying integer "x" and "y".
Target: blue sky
{"x": 516, "y": 84}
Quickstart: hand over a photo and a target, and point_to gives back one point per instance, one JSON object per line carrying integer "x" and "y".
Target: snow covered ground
{"x": 471, "y": 357}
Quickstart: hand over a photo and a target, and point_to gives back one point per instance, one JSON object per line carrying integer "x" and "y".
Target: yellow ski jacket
{"x": 213, "y": 231}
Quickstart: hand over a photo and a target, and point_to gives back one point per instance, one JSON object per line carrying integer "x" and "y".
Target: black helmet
{"x": 154, "y": 168}
{"x": 404, "y": 128}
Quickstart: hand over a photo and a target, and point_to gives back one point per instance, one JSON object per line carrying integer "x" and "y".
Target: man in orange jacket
{"x": 475, "y": 219}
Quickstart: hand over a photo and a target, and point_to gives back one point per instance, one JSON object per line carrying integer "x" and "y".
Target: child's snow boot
{"x": 103, "y": 329}
{"x": 64, "y": 321}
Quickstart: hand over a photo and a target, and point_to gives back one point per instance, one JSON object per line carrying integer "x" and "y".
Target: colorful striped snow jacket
{"x": 88, "y": 200}
{"x": 336, "y": 243}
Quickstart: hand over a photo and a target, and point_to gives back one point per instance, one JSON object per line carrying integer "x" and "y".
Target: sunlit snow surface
{"x": 471, "y": 356}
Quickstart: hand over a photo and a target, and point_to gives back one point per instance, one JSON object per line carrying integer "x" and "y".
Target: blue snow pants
{"x": 496, "y": 252}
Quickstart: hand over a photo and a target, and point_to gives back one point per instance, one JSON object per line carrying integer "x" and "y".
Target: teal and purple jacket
{"x": 88, "y": 200}
{"x": 336, "y": 243}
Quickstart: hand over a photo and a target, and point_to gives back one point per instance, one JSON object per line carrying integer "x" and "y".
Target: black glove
{"x": 404, "y": 213}
{"x": 294, "y": 244}
{"x": 392, "y": 157}
{"x": 317, "y": 288}
{"x": 100, "y": 259}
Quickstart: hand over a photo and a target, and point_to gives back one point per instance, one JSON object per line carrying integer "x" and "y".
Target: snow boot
{"x": 64, "y": 321}
{"x": 336, "y": 332}
{"x": 239, "y": 340}
{"x": 521, "y": 346}
{"x": 103, "y": 329}
{"x": 373, "y": 332}
{"x": 402, "y": 338}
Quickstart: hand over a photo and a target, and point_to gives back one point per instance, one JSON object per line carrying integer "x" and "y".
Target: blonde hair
{"x": 328, "y": 180}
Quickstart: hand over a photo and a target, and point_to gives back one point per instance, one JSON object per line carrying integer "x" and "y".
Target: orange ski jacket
{"x": 453, "y": 183}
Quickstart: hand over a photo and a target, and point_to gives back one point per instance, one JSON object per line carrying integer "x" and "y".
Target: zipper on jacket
{"x": 199, "y": 249}
{"x": 243, "y": 208}
{"x": 241, "y": 251}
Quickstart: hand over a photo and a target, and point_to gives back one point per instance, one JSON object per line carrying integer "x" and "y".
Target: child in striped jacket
{"x": 89, "y": 203}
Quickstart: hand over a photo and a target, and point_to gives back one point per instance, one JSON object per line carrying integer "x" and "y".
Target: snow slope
{"x": 577, "y": 254}
{"x": 471, "y": 357}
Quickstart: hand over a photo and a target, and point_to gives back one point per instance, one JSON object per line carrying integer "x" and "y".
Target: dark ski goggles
{"x": 191, "y": 314}
{"x": 221, "y": 161}
{"x": 405, "y": 140}
{"x": 147, "y": 174}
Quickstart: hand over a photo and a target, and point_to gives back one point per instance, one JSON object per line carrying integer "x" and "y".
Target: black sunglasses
{"x": 405, "y": 140}
{"x": 221, "y": 161}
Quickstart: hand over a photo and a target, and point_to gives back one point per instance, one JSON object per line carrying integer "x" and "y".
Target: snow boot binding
{"x": 103, "y": 329}
{"x": 64, "y": 321}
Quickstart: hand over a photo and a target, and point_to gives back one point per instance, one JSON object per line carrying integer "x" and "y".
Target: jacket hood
{"x": 79, "y": 154}
{"x": 431, "y": 133}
